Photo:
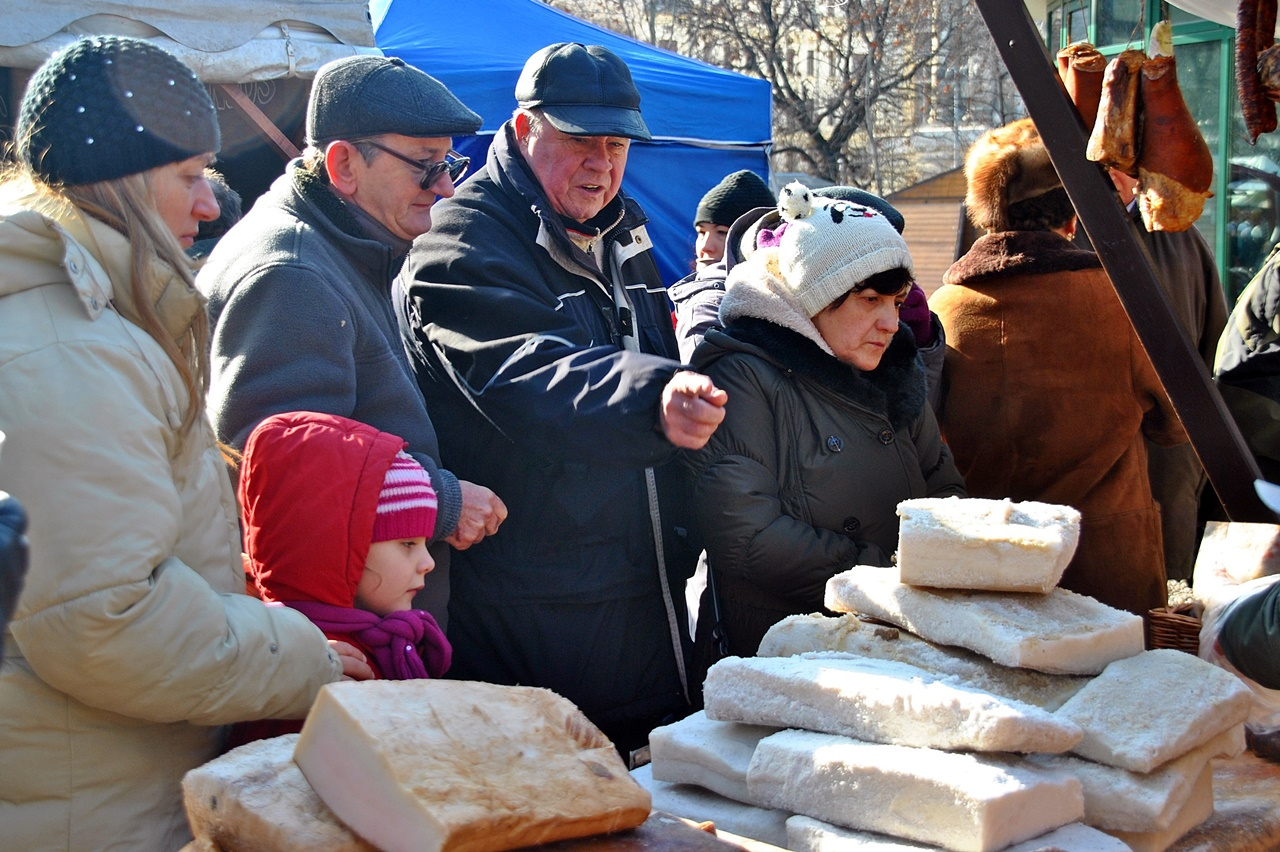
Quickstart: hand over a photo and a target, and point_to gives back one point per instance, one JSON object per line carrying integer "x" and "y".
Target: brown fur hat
{"x": 1006, "y": 165}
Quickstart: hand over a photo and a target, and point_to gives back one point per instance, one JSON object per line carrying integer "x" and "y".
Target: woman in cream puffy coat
{"x": 132, "y": 642}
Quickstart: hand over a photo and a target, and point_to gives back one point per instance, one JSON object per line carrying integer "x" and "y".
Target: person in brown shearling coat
{"x": 1048, "y": 391}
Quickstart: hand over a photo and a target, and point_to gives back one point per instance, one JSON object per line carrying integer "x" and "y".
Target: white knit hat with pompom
{"x": 826, "y": 247}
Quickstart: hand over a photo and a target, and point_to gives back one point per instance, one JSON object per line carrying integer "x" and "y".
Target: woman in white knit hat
{"x": 827, "y": 427}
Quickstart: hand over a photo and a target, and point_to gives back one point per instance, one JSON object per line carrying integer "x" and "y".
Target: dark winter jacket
{"x": 1049, "y": 395}
{"x": 299, "y": 303}
{"x": 13, "y": 557}
{"x": 697, "y": 296}
{"x": 803, "y": 478}
{"x": 1249, "y": 635}
{"x": 1247, "y": 368}
{"x": 518, "y": 347}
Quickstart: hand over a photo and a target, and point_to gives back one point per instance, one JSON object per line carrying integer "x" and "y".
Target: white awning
{"x": 1219, "y": 11}
{"x": 224, "y": 41}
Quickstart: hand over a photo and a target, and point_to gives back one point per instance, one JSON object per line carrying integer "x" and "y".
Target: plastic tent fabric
{"x": 229, "y": 41}
{"x": 706, "y": 122}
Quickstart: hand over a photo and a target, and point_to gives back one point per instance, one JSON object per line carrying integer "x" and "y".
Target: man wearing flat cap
{"x": 541, "y": 337}
{"x": 299, "y": 289}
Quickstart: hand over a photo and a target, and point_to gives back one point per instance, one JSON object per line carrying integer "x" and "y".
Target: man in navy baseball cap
{"x": 540, "y": 333}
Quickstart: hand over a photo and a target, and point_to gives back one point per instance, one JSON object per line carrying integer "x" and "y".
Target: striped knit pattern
{"x": 407, "y": 503}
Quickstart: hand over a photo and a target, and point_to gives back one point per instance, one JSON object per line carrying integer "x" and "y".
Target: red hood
{"x": 309, "y": 486}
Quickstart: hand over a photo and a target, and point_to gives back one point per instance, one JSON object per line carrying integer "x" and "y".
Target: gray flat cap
{"x": 360, "y": 96}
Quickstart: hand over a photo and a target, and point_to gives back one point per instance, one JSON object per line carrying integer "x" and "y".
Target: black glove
{"x": 13, "y": 555}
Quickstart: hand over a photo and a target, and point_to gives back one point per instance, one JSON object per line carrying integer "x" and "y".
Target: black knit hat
{"x": 359, "y": 96}
{"x": 110, "y": 106}
{"x": 866, "y": 199}
{"x": 733, "y": 196}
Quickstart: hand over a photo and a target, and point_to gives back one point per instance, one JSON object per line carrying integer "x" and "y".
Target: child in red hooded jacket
{"x": 336, "y": 520}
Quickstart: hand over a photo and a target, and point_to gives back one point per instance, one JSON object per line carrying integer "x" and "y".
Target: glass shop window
{"x": 1120, "y": 23}
{"x": 1253, "y": 201}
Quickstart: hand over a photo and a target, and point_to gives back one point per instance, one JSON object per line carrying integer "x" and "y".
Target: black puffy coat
{"x": 803, "y": 478}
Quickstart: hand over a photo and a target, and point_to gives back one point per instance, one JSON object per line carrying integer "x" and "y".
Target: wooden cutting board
{"x": 1246, "y": 808}
{"x": 661, "y": 832}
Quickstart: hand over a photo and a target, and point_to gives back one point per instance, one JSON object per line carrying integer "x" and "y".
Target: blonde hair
{"x": 127, "y": 204}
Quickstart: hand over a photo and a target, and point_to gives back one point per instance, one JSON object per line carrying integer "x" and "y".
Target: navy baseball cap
{"x": 583, "y": 91}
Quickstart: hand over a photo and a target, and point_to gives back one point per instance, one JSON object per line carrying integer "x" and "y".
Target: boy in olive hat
{"x": 299, "y": 290}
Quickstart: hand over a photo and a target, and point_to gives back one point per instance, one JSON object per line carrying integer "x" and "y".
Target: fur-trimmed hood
{"x": 1006, "y": 165}
{"x": 756, "y": 290}
{"x": 895, "y": 389}
{"x": 1019, "y": 253}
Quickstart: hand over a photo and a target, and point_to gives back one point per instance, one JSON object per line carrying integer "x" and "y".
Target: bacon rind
{"x": 1116, "y": 134}
{"x": 1081, "y": 67}
{"x": 1175, "y": 167}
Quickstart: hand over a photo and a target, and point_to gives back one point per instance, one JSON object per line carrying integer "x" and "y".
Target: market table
{"x": 1246, "y": 808}
{"x": 1246, "y": 818}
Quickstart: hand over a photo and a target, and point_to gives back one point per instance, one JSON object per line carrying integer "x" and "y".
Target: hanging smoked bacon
{"x": 1145, "y": 130}
{"x": 1081, "y": 65}
{"x": 1255, "y": 33}
{"x": 1175, "y": 168}
{"x": 1114, "y": 141}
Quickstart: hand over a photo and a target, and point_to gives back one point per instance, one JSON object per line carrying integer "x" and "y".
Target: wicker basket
{"x": 1173, "y": 627}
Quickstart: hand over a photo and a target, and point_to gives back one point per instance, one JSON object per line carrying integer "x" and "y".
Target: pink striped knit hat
{"x": 407, "y": 504}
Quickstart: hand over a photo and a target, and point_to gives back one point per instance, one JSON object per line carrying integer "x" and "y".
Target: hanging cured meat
{"x": 1255, "y": 33}
{"x": 1081, "y": 66}
{"x": 1175, "y": 168}
{"x": 1116, "y": 132}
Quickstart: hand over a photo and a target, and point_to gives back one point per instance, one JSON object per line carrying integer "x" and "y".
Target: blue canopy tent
{"x": 706, "y": 122}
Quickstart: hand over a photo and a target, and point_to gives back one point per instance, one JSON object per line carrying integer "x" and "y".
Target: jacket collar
{"x": 1010, "y": 253}
{"x": 93, "y": 257}
{"x": 895, "y": 389}
{"x": 753, "y": 290}
{"x": 509, "y": 170}
{"x": 369, "y": 248}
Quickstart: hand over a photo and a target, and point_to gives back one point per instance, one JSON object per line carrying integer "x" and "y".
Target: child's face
{"x": 393, "y": 574}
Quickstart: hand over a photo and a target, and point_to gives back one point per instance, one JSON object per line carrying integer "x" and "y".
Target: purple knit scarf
{"x": 407, "y": 644}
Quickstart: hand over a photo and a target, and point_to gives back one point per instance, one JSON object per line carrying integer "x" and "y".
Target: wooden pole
{"x": 1217, "y": 440}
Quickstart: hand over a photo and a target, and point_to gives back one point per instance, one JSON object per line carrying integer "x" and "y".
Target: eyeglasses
{"x": 453, "y": 163}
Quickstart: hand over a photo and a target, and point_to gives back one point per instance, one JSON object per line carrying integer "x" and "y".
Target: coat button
{"x": 834, "y": 444}
{"x": 851, "y": 525}
{"x": 886, "y": 436}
